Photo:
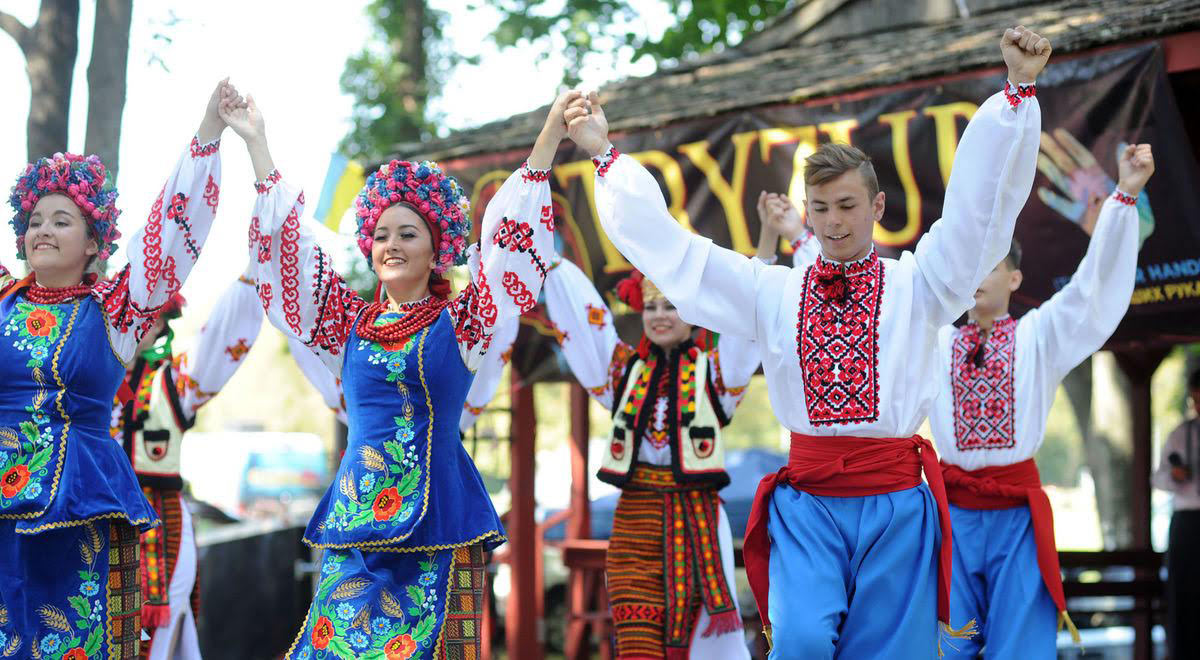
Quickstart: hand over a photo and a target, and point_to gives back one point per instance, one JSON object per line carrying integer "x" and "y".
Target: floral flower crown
{"x": 83, "y": 180}
{"x": 434, "y": 195}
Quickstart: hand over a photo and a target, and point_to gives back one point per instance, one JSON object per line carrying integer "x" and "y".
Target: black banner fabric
{"x": 711, "y": 171}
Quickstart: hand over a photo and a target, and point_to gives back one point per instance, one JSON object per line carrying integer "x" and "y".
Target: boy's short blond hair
{"x": 833, "y": 159}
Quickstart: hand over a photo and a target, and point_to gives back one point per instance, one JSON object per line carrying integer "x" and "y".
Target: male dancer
{"x": 847, "y": 345}
{"x": 997, "y": 381}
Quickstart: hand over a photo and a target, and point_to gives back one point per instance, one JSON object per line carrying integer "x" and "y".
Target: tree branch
{"x": 15, "y": 29}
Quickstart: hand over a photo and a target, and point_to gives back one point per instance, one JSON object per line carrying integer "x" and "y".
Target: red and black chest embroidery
{"x": 837, "y": 340}
{"x": 981, "y": 377}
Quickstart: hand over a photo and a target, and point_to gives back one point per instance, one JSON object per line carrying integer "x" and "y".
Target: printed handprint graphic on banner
{"x": 1082, "y": 183}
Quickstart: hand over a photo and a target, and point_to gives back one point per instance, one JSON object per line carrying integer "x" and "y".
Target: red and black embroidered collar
{"x": 833, "y": 279}
{"x": 976, "y": 343}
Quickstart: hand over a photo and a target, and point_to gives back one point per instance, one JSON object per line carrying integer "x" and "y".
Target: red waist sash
{"x": 1006, "y": 487}
{"x": 846, "y": 466}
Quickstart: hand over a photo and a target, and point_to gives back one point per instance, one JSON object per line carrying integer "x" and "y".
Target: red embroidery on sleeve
{"x": 548, "y": 217}
{"x": 520, "y": 293}
{"x": 123, "y": 314}
{"x": 337, "y": 306}
{"x": 212, "y": 193}
{"x": 177, "y": 213}
{"x": 517, "y": 236}
{"x": 152, "y": 244}
{"x": 289, "y": 270}
{"x": 260, "y": 241}
{"x": 202, "y": 150}
{"x": 264, "y": 294}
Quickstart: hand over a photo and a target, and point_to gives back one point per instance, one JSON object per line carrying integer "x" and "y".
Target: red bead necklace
{"x": 417, "y": 317}
{"x": 44, "y": 295}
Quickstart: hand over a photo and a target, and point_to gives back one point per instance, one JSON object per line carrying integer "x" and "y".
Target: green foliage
{"x": 395, "y": 75}
{"x": 581, "y": 28}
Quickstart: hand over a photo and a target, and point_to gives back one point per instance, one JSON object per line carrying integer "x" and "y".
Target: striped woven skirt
{"x": 664, "y": 568}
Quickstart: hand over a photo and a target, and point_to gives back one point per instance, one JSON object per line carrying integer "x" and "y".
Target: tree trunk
{"x": 106, "y": 81}
{"x": 50, "y": 47}
{"x": 1107, "y": 444}
{"x": 413, "y": 91}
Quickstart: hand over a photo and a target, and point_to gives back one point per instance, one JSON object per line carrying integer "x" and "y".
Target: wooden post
{"x": 1139, "y": 368}
{"x": 521, "y": 621}
{"x": 579, "y": 526}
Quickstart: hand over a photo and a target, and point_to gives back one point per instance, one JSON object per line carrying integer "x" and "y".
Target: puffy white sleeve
{"x": 221, "y": 346}
{"x": 1076, "y": 321}
{"x": 590, "y": 345}
{"x": 703, "y": 281}
{"x": 991, "y": 179}
{"x": 507, "y": 271}
{"x": 163, "y": 251}
{"x": 301, "y": 292}
{"x": 733, "y": 362}
{"x": 491, "y": 369}
{"x": 322, "y": 380}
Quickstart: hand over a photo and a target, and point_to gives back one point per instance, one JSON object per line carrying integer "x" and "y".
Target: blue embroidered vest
{"x": 58, "y": 462}
{"x": 406, "y": 481}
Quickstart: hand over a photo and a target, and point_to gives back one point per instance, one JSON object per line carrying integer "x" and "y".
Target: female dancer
{"x": 70, "y": 505}
{"x": 154, "y": 409}
{"x": 669, "y": 398}
{"x": 407, "y": 521}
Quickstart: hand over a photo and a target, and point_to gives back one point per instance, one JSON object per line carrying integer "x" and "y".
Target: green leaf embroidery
{"x": 424, "y": 628}
{"x": 39, "y": 460}
{"x": 408, "y": 483}
{"x": 94, "y": 640}
{"x": 81, "y": 607}
{"x": 339, "y": 647}
{"x": 394, "y": 449}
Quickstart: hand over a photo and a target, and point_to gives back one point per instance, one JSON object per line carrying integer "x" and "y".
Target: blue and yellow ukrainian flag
{"x": 343, "y": 181}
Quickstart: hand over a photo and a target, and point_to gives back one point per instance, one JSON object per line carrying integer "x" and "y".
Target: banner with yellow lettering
{"x": 711, "y": 171}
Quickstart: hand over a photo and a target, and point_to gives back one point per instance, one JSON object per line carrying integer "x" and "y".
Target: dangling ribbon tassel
{"x": 966, "y": 632}
{"x": 723, "y": 623}
{"x": 1064, "y": 619}
{"x": 770, "y": 644}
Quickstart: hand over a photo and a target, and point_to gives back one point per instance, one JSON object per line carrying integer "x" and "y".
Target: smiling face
{"x": 402, "y": 251}
{"x": 58, "y": 239}
{"x": 662, "y": 325}
{"x": 843, "y": 212}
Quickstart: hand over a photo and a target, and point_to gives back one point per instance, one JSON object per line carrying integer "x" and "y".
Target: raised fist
{"x": 1025, "y": 53}
{"x": 1135, "y": 164}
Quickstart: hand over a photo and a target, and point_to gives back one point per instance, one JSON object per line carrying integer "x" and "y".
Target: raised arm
{"x": 991, "y": 179}
{"x": 516, "y": 239}
{"x": 590, "y": 345}
{"x": 1077, "y": 320}
{"x": 221, "y": 346}
{"x": 301, "y": 292}
{"x": 702, "y": 280}
{"x": 162, "y": 252}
